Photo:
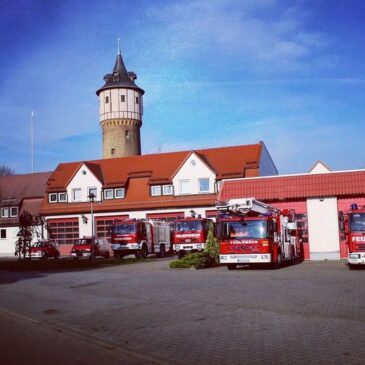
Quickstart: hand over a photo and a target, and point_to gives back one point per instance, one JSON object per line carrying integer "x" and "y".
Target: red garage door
{"x": 64, "y": 231}
{"x": 103, "y": 224}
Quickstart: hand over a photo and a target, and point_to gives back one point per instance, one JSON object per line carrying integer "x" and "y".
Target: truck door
{"x": 148, "y": 229}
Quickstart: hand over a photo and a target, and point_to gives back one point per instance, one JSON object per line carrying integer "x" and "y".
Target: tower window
{"x": 137, "y": 100}
{"x": 112, "y": 151}
{"x": 107, "y": 100}
{"x": 122, "y": 98}
{"x": 115, "y": 77}
{"x": 127, "y": 134}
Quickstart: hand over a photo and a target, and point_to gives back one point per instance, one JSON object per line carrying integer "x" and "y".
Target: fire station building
{"x": 157, "y": 186}
{"x": 320, "y": 199}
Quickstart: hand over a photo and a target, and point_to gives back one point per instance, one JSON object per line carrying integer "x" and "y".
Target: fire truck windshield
{"x": 124, "y": 228}
{"x": 84, "y": 241}
{"x": 357, "y": 222}
{"x": 243, "y": 229}
{"x": 188, "y": 226}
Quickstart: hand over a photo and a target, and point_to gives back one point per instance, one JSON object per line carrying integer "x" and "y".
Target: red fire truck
{"x": 140, "y": 237}
{"x": 355, "y": 232}
{"x": 190, "y": 235}
{"x": 252, "y": 232}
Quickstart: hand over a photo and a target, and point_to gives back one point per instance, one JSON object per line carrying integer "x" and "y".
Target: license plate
{"x": 85, "y": 254}
{"x": 243, "y": 259}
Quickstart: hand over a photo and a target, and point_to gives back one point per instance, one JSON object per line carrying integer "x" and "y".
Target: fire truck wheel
{"x": 277, "y": 264}
{"x": 107, "y": 255}
{"x": 232, "y": 266}
{"x": 292, "y": 257}
{"x": 352, "y": 267}
{"x": 142, "y": 254}
{"x": 162, "y": 252}
{"x": 180, "y": 254}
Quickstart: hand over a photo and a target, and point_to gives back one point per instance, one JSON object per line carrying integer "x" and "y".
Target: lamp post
{"x": 91, "y": 197}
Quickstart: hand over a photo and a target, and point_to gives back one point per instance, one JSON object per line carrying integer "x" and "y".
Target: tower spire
{"x": 119, "y": 53}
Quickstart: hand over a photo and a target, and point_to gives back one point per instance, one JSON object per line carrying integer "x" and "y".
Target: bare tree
{"x": 6, "y": 171}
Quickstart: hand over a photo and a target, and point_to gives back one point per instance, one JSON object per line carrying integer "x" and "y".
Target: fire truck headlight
{"x": 177, "y": 247}
{"x": 199, "y": 246}
{"x": 265, "y": 257}
{"x": 223, "y": 257}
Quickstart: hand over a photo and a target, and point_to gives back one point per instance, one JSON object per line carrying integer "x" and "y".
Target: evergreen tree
{"x": 212, "y": 244}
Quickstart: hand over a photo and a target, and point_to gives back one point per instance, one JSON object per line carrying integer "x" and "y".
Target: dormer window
{"x": 62, "y": 197}
{"x": 13, "y": 211}
{"x": 5, "y": 212}
{"x": 115, "y": 77}
{"x": 119, "y": 193}
{"x": 52, "y": 198}
{"x": 108, "y": 194}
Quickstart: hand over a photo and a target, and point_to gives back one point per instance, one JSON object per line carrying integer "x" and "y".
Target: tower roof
{"x": 120, "y": 78}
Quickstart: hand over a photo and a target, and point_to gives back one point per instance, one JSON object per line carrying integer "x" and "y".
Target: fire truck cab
{"x": 252, "y": 232}
{"x": 140, "y": 237}
{"x": 190, "y": 235}
{"x": 355, "y": 232}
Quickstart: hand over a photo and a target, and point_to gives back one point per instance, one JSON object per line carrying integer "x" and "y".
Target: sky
{"x": 215, "y": 73}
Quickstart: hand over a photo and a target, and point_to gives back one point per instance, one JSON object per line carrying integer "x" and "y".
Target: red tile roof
{"x": 15, "y": 188}
{"x": 234, "y": 161}
{"x": 349, "y": 183}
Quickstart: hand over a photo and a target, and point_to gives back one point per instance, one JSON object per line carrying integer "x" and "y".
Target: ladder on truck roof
{"x": 245, "y": 205}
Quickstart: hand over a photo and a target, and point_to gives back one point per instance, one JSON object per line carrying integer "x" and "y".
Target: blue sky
{"x": 215, "y": 73}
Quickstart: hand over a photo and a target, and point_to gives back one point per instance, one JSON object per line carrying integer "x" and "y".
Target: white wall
{"x": 116, "y": 109}
{"x": 194, "y": 169}
{"x": 84, "y": 179}
{"x": 7, "y": 245}
{"x": 267, "y": 166}
{"x": 323, "y": 230}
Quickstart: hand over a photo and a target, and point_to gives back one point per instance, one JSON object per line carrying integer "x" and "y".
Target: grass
{"x": 197, "y": 260}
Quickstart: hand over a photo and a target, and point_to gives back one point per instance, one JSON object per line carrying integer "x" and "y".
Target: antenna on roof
{"x": 119, "y": 47}
{"x": 32, "y": 139}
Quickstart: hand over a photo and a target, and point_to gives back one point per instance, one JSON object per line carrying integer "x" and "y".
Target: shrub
{"x": 197, "y": 260}
{"x": 212, "y": 245}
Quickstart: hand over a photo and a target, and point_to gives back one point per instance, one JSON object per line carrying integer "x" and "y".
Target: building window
{"x": 52, "y": 198}
{"x": 167, "y": 190}
{"x": 3, "y": 233}
{"x": 203, "y": 185}
{"x": 127, "y": 134}
{"x": 137, "y": 100}
{"x": 76, "y": 195}
{"x": 13, "y": 211}
{"x": 108, "y": 194}
{"x": 62, "y": 197}
{"x": 184, "y": 187}
{"x": 112, "y": 151}
{"x": 122, "y": 98}
{"x": 119, "y": 193}
{"x": 107, "y": 100}
{"x": 115, "y": 76}
{"x": 156, "y": 190}
{"x": 4, "y": 212}
{"x": 92, "y": 191}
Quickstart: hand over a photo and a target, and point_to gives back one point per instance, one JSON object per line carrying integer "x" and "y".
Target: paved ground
{"x": 310, "y": 313}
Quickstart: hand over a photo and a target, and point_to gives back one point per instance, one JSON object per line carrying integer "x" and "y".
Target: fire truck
{"x": 140, "y": 237}
{"x": 355, "y": 232}
{"x": 252, "y": 232}
{"x": 190, "y": 235}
